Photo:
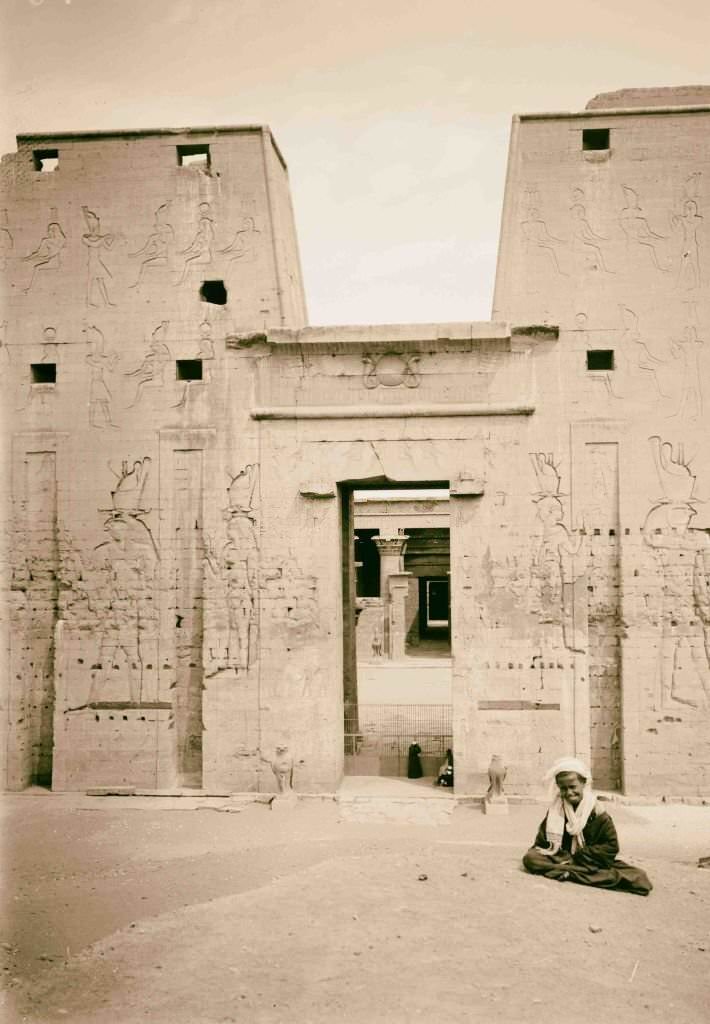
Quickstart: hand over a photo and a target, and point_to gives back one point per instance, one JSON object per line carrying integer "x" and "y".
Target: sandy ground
{"x": 185, "y": 911}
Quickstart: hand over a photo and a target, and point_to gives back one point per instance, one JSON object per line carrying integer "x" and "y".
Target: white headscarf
{"x": 561, "y": 814}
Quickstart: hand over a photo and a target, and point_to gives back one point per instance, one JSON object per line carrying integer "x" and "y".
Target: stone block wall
{"x": 605, "y": 234}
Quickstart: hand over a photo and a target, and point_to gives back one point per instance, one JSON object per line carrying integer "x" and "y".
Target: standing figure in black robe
{"x": 414, "y": 764}
{"x": 577, "y": 841}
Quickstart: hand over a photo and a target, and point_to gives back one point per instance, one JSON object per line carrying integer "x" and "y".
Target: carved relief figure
{"x": 689, "y": 222}
{"x": 157, "y": 248}
{"x": 244, "y": 241}
{"x": 205, "y": 352}
{"x": 152, "y": 368}
{"x": 7, "y": 242}
{"x": 684, "y": 557}
{"x": 199, "y": 251}
{"x": 46, "y": 255}
{"x": 538, "y": 239}
{"x": 585, "y": 241}
{"x": 126, "y": 564}
{"x": 99, "y": 274}
{"x": 100, "y": 363}
{"x": 233, "y": 573}
{"x": 636, "y": 228}
{"x": 391, "y": 370}
{"x": 686, "y": 352}
{"x": 554, "y": 570}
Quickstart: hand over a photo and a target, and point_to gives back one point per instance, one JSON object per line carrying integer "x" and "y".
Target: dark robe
{"x": 414, "y": 765}
{"x": 593, "y": 864}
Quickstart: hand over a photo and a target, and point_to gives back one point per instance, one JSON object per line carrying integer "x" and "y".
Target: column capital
{"x": 393, "y": 545}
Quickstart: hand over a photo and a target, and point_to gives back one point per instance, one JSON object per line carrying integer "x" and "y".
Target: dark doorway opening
{"x": 396, "y": 635}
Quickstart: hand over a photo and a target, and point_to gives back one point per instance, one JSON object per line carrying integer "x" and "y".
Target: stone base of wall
{"x": 119, "y": 747}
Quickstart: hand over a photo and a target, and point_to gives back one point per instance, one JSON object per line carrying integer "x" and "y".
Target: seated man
{"x": 577, "y": 841}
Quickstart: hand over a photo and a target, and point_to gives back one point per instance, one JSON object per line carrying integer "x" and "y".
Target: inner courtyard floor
{"x": 198, "y": 911}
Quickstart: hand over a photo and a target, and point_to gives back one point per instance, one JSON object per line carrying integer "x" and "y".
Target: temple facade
{"x": 193, "y": 573}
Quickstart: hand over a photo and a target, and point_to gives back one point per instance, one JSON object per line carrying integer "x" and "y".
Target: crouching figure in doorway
{"x": 577, "y": 840}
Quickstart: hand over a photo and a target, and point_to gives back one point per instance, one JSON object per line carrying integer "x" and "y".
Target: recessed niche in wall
{"x": 46, "y": 159}
{"x": 214, "y": 292}
{"x": 595, "y": 138}
{"x": 43, "y": 373}
{"x": 188, "y": 369}
{"x": 600, "y": 359}
{"x": 193, "y": 156}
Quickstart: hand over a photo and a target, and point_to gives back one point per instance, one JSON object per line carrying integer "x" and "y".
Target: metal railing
{"x": 378, "y": 737}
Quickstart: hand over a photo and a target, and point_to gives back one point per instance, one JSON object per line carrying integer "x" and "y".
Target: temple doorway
{"x": 398, "y": 651}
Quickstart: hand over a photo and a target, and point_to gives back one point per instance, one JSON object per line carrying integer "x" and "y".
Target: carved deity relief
{"x": 100, "y": 362}
{"x": 540, "y": 244}
{"x": 683, "y": 554}
{"x": 231, "y": 581}
{"x": 99, "y": 275}
{"x": 152, "y": 369}
{"x": 118, "y": 584}
{"x": 205, "y": 353}
{"x": 47, "y": 254}
{"x": 242, "y": 246}
{"x": 688, "y": 222}
{"x": 640, "y": 237}
{"x": 670, "y": 373}
{"x": 200, "y": 249}
{"x": 157, "y": 249}
{"x": 7, "y": 242}
{"x": 391, "y": 370}
{"x": 585, "y": 241}
{"x": 558, "y": 562}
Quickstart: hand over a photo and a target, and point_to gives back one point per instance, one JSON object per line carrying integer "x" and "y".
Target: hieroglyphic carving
{"x": 231, "y": 581}
{"x": 123, "y": 579}
{"x": 673, "y": 369}
{"x": 205, "y": 353}
{"x": 156, "y": 251}
{"x": 152, "y": 369}
{"x": 199, "y": 251}
{"x": 242, "y": 245}
{"x": 558, "y": 562}
{"x": 7, "y": 242}
{"x": 540, "y": 243}
{"x": 637, "y": 230}
{"x": 689, "y": 222}
{"x": 684, "y": 557}
{"x": 390, "y": 370}
{"x": 47, "y": 254}
{"x": 98, "y": 273}
{"x": 585, "y": 241}
{"x": 100, "y": 362}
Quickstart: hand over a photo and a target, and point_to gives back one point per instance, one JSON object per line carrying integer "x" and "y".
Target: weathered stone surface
{"x": 178, "y": 578}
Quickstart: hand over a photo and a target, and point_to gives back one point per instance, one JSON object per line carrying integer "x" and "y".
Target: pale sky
{"x": 393, "y": 115}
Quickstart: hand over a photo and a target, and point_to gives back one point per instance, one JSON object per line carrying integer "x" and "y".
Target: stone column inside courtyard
{"x": 393, "y": 590}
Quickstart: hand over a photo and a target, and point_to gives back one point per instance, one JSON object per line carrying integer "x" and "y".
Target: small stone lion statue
{"x": 282, "y": 767}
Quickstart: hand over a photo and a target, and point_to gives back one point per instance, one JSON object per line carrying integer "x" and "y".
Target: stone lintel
{"x": 425, "y": 410}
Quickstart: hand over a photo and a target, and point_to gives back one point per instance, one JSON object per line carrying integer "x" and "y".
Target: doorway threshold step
{"x": 367, "y": 798}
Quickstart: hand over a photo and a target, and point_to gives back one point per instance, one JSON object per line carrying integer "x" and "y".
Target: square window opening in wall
{"x": 214, "y": 292}
{"x": 595, "y": 138}
{"x": 600, "y": 359}
{"x": 43, "y": 373}
{"x": 188, "y": 369}
{"x": 46, "y": 160}
{"x": 194, "y": 156}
